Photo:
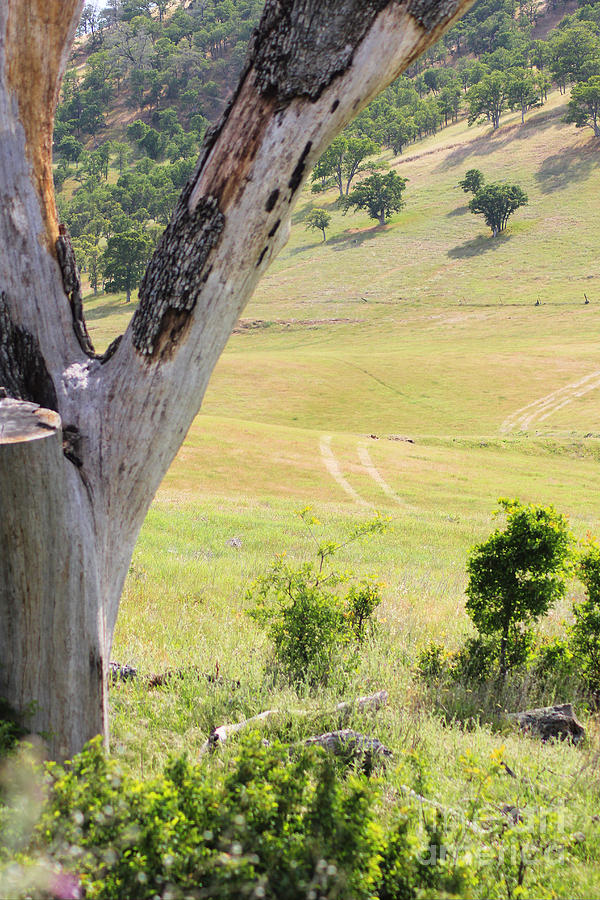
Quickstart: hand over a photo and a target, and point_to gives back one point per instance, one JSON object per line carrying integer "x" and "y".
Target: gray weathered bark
{"x": 312, "y": 66}
{"x": 48, "y": 565}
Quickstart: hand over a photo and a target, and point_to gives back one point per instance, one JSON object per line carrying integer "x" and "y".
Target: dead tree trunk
{"x": 73, "y": 503}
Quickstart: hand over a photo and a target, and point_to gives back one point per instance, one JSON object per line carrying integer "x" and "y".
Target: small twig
{"x": 508, "y": 770}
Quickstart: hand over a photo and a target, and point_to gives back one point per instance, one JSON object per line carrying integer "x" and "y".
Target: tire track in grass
{"x": 541, "y": 409}
{"x": 332, "y": 466}
{"x": 375, "y": 474}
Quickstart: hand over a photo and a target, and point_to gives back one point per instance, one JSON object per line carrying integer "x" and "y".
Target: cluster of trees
{"x": 379, "y": 195}
{"x": 175, "y": 67}
{"x": 115, "y": 226}
{"x": 487, "y": 64}
{"x": 189, "y": 57}
{"x": 516, "y": 577}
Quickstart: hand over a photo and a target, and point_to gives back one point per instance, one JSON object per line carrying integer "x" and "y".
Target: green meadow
{"x": 420, "y": 370}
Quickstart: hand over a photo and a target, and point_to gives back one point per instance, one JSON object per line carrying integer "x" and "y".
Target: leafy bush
{"x": 477, "y": 659}
{"x": 10, "y": 729}
{"x": 517, "y": 575}
{"x": 314, "y": 625}
{"x": 514, "y": 578}
{"x": 585, "y": 631}
{"x": 434, "y": 662}
{"x": 554, "y": 665}
{"x": 269, "y": 824}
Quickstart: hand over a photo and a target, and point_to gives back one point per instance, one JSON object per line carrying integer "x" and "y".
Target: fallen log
{"x": 373, "y": 701}
{"x": 219, "y": 735}
{"x": 351, "y": 745}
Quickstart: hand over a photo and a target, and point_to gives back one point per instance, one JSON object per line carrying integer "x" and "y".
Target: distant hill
{"x": 149, "y": 76}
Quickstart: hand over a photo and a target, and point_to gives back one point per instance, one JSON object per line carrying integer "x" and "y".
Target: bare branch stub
{"x": 23, "y": 421}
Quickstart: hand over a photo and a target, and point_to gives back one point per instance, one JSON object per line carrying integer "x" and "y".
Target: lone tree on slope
{"x": 318, "y": 220}
{"x": 517, "y": 574}
{"x": 86, "y": 439}
{"x": 380, "y": 195}
{"x": 496, "y": 202}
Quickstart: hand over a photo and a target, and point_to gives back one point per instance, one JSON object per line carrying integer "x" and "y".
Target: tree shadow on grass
{"x": 304, "y": 248}
{"x": 479, "y": 245}
{"x": 560, "y": 170}
{"x": 497, "y": 140}
{"x": 347, "y": 240}
{"x": 108, "y": 309}
{"x": 459, "y": 211}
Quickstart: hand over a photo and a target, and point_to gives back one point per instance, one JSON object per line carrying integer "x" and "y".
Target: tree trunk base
{"x": 52, "y": 636}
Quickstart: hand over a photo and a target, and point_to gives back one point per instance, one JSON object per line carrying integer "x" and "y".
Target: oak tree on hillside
{"x": 124, "y": 260}
{"x": 574, "y": 54}
{"x": 343, "y": 160}
{"x": 487, "y": 99}
{"x": 496, "y": 203}
{"x": 401, "y": 131}
{"x": 85, "y": 439}
{"x": 472, "y": 181}
{"x": 380, "y": 195}
{"x": 523, "y": 91}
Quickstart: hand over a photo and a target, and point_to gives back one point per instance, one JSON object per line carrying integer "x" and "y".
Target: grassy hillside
{"x": 426, "y": 328}
{"x": 404, "y": 369}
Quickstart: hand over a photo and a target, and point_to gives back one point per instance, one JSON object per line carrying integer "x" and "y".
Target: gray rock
{"x": 351, "y": 745}
{"x": 551, "y": 722}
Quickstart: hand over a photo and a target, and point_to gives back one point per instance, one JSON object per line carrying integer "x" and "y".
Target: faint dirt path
{"x": 541, "y": 409}
{"x": 332, "y": 466}
{"x": 375, "y": 474}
